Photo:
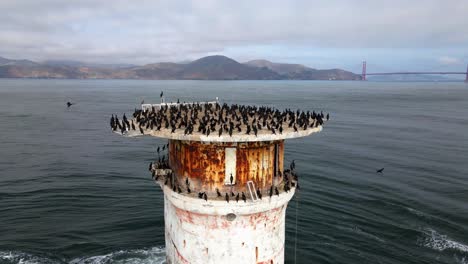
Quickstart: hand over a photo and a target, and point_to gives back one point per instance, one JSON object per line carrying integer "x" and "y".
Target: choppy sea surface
{"x": 73, "y": 192}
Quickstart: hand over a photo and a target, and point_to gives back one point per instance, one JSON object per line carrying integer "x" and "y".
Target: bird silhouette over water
{"x": 69, "y": 104}
{"x": 381, "y": 170}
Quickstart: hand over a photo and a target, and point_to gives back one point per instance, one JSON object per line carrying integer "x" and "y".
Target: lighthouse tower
{"x": 225, "y": 185}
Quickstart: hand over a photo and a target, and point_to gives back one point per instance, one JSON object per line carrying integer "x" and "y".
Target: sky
{"x": 392, "y": 35}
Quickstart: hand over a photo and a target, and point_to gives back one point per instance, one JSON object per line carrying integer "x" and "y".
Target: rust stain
{"x": 271, "y": 216}
{"x": 256, "y": 254}
{"x": 179, "y": 256}
{"x": 184, "y": 216}
{"x": 213, "y": 222}
{"x": 270, "y": 261}
{"x": 204, "y": 164}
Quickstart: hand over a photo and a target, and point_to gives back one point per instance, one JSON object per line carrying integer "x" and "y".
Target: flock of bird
{"x": 290, "y": 180}
{"x": 216, "y": 119}
{"x": 213, "y": 118}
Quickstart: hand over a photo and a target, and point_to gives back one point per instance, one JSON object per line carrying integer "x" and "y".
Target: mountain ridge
{"x": 216, "y": 67}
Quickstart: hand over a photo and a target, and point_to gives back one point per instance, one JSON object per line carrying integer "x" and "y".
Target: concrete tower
{"x": 225, "y": 193}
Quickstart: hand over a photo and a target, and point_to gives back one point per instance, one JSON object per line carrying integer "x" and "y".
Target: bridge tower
{"x": 204, "y": 221}
{"x": 466, "y": 76}
{"x": 363, "y": 76}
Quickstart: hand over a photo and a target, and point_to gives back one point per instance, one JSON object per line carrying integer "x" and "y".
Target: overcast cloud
{"x": 397, "y": 34}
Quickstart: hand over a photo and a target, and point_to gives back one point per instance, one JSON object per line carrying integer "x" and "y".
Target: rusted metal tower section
{"x": 364, "y": 71}
{"x": 225, "y": 193}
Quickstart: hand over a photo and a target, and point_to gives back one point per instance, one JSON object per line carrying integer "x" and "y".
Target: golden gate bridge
{"x": 365, "y": 73}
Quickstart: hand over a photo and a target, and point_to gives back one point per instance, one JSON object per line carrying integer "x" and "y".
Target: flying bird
{"x": 69, "y": 104}
{"x": 381, "y": 170}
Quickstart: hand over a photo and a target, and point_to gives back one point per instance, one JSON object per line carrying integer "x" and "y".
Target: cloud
{"x": 447, "y": 60}
{"x": 147, "y": 31}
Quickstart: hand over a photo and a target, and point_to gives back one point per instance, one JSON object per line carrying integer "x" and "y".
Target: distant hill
{"x": 301, "y": 72}
{"x": 207, "y": 68}
{"x": 224, "y": 68}
{"x": 281, "y": 68}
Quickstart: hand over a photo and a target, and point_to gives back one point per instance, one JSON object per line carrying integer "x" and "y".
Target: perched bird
{"x": 227, "y": 197}
{"x": 150, "y": 167}
{"x": 69, "y": 104}
{"x": 188, "y": 190}
{"x": 205, "y": 197}
{"x": 271, "y": 191}
{"x": 259, "y": 193}
{"x": 218, "y": 193}
{"x": 293, "y": 165}
{"x": 276, "y": 191}
{"x": 161, "y": 95}
{"x": 381, "y": 170}
{"x": 244, "y": 198}
{"x": 231, "y": 179}
{"x": 237, "y": 197}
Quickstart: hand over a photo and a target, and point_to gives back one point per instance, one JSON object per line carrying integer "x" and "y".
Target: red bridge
{"x": 365, "y": 74}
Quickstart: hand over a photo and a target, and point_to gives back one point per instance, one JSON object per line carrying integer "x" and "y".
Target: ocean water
{"x": 73, "y": 192}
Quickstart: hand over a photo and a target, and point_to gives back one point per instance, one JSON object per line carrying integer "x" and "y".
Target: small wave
{"x": 416, "y": 212}
{"x": 363, "y": 233}
{"x": 15, "y": 257}
{"x": 155, "y": 255}
{"x": 441, "y": 242}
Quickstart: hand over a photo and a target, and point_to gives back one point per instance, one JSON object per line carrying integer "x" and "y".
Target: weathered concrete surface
{"x": 199, "y": 231}
{"x": 263, "y": 135}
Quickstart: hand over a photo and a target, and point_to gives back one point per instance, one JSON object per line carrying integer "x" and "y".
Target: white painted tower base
{"x": 213, "y": 231}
